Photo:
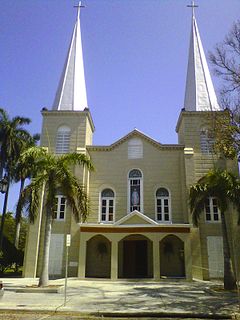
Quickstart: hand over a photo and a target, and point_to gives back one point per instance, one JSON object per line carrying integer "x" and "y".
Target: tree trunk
{"x": 18, "y": 223}
{"x": 4, "y": 214}
{"x": 44, "y": 277}
{"x": 17, "y": 234}
{"x": 229, "y": 278}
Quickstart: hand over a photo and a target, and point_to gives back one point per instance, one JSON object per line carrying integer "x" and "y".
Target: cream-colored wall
{"x": 160, "y": 168}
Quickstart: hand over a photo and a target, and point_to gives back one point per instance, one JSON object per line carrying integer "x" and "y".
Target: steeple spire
{"x": 71, "y": 93}
{"x": 199, "y": 92}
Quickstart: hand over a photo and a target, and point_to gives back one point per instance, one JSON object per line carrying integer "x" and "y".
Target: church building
{"x": 140, "y": 224}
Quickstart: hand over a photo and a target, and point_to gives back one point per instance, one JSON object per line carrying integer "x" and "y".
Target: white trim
{"x": 63, "y": 139}
{"x": 169, "y": 205}
{"x": 100, "y": 205}
{"x": 211, "y": 212}
{"x": 155, "y": 225}
{"x": 59, "y": 197}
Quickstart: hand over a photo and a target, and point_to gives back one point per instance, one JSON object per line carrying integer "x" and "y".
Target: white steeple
{"x": 199, "y": 92}
{"x": 71, "y": 93}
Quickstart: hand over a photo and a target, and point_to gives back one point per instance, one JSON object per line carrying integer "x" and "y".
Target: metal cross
{"x": 78, "y": 7}
{"x": 192, "y": 5}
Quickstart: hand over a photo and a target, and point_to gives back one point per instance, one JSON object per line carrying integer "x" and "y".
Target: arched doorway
{"x": 172, "y": 257}
{"x": 98, "y": 257}
{"x": 135, "y": 258}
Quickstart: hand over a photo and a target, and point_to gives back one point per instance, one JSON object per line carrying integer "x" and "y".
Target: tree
{"x": 54, "y": 174}
{"x": 10, "y": 256}
{"x": 226, "y": 62}
{"x": 225, "y": 187}
{"x": 23, "y": 171}
{"x": 12, "y": 138}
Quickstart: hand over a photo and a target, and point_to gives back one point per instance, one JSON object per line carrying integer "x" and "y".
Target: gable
{"x": 136, "y": 217}
{"x": 135, "y": 220}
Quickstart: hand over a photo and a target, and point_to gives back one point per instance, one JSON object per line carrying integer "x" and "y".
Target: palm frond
{"x": 19, "y": 121}
{"x": 74, "y": 159}
{"x": 29, "y": 199}
{"x": 222, "y": 185}
{"x": 76, "y": 196}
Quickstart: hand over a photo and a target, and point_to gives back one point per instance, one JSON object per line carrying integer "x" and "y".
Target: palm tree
{"x": 54, "y": 174}
{"x": 23, "y": 171}
{"x": 12, "y": 138}
{"x": 225, "y": 187}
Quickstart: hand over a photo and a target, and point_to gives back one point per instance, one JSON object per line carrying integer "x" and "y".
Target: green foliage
{"x": 9, "y": 230}
{"x": 227, "y": 134}
{"x": 10, "y": 257}
{"x": 226, "y": 60}
{"x": 12, "y": 138}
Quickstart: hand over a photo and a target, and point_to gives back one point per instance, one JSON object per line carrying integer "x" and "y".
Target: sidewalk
{"x": 124, "y": 298}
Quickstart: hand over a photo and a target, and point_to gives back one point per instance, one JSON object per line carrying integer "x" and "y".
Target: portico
{"x": 124, "y": 250}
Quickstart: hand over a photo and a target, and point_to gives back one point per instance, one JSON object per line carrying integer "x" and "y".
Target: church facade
{"x": 140, "y": 225}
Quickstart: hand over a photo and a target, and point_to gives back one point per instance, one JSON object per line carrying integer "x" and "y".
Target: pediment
{"x": 135, "y": 134}
{"x": 136, "y": 218}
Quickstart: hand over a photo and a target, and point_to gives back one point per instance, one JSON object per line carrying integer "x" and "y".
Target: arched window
{"x": 212, "y": 211}
{"x": 135, "y": 148}
{"x": 63, "y": 140}
{"x": 206, "y": 141}
{"x": 107, "y": 205}
{"x": 163, "y": 213}
{"x": 135, "y": 190}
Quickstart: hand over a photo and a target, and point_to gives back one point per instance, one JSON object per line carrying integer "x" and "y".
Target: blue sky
{"x": 135, "y": 56}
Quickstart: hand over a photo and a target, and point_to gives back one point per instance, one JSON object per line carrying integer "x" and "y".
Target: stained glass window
{"x": 135, "y": 190}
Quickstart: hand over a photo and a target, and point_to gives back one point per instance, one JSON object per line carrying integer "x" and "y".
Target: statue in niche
{"x": 135, "y": 197}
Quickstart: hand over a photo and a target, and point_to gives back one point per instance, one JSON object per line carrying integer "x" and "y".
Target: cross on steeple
{"x": 192, "y": 5}
{"x": 78, "y": 7}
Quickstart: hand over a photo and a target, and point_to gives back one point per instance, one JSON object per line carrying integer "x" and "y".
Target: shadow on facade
{"x": 172, "y": 263}
{"x": 98, "y": 258}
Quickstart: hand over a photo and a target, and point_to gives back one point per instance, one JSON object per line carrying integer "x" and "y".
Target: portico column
{"x": 114, "y": 260}
{"x": 188, "y": 258}
{"x": 82, "y": 257}
{"x": 156, "y": 260}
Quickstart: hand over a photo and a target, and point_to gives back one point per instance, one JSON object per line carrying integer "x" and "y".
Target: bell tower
{"x": 200, "y": 102}
{"x": 69, "y": 127}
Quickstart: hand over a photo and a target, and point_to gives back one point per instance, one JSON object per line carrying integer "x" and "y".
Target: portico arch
{"x": 172, "y": 262}
{"x": 98, "y": 257}
{"x": 135, "y": 257}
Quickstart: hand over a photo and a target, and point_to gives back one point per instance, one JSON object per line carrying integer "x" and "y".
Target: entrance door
{"x": 56, "y": 254}
{"x": 215, "y": 256}
{"x": 135, "y": 263}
